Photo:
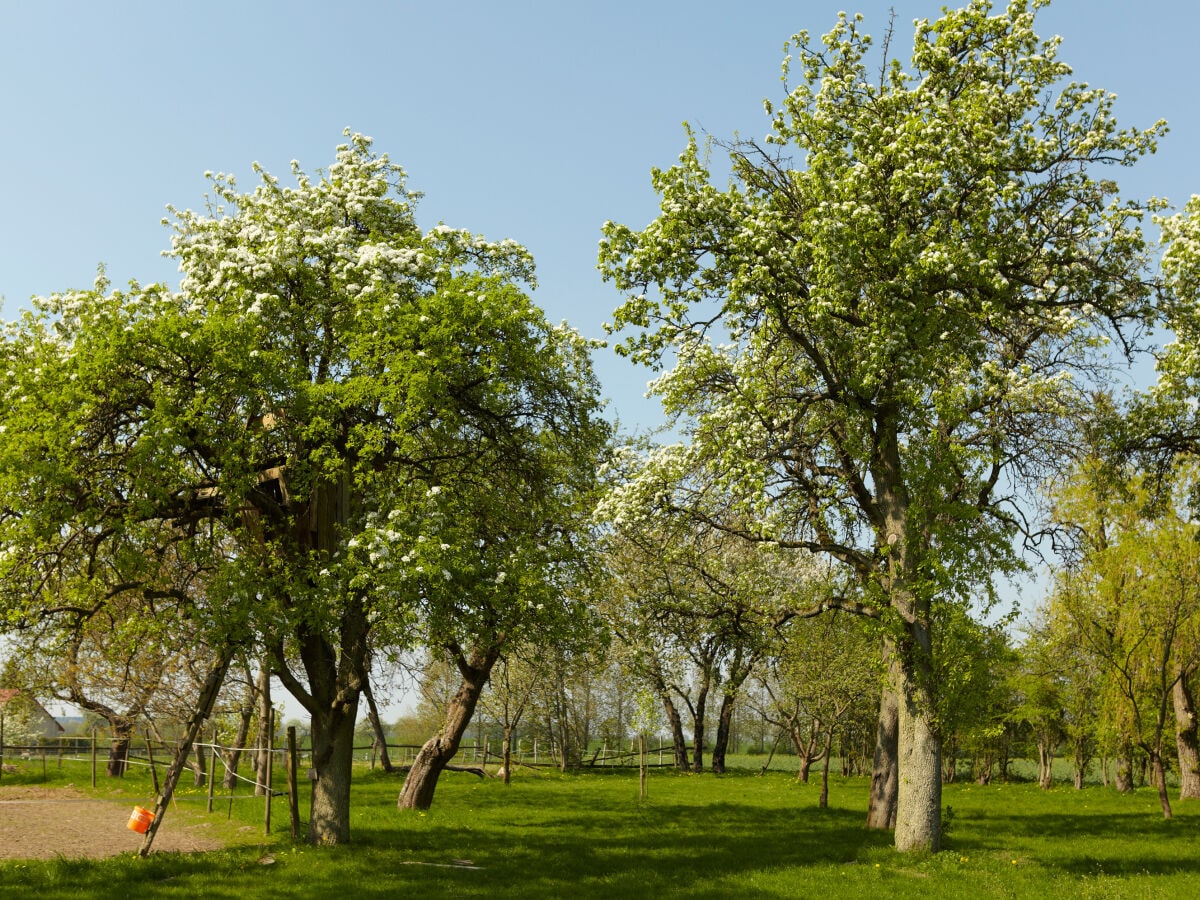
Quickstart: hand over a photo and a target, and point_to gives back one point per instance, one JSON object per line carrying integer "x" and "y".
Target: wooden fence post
{"x": 270, "y": 759}
{"x": 293, "y": 797}
{"x": 212, "y": 770}
{"x": 93, "y": 756}
{"x": 642, "y": 767}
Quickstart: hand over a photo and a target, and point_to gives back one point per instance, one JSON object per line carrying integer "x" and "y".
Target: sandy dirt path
{"x": 40, "y": 823}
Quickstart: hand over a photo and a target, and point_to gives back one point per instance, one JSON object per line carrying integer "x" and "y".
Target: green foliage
{"x": 972, "y": 697}
{"x": 321, "y": 352}
{"x": 821, "y": 674}
{"x": 319, "y": 330}
{"x": 873, "y": 335}
{"x": 1179, "y": 369}
{"x": 341, "y": 433}
{"x": 920, "y": 279}
{"x": 1131, "y": 599}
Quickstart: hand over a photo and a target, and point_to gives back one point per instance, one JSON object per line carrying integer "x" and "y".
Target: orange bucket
{"x": 140, "y": 819}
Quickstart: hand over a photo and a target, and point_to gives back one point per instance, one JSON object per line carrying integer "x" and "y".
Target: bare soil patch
{"x": 40, "y": 823}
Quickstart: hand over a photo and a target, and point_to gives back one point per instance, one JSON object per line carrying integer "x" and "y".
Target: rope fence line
{"x": 67, "y": 749}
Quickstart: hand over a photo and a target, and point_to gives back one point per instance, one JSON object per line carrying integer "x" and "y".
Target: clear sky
{"x": 531, "y": 119}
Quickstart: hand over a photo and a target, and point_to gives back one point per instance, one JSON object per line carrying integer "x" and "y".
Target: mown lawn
{"x": 739, "y": 835}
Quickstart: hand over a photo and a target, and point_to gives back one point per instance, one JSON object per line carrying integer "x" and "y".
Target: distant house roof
{"x": 7, "y": 695}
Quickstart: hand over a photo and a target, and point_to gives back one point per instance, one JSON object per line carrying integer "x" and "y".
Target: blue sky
{"x": 531, "y": 120}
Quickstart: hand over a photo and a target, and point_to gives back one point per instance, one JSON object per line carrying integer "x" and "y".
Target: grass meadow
{"x": 588, "y": 835}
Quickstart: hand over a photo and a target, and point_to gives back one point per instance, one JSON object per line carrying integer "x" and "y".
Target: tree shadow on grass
{"x": 668, "y": 849}
{"x": 568, "y": 838}
{"x": 1118, "y": 844}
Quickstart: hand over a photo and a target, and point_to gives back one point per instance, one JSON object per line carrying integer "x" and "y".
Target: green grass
{"x": 740, "y": 835}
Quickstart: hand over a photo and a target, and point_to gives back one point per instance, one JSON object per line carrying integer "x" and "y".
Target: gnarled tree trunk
{"x": 699, "y": 711}
{"x": 1045, "y": 749}
{"x": 919, "y": 793}
{"x": 881, "y": 811}
{"x": 333, "y": 758}
{"x": 739, "y": 670}
{"x": 506, "y": 755}
{"x": 199, "y": 764}
{"x": 721, "y": 743}
{"x": 1159, "y": 774}
{"x": 1186, "y": 740}
{"x": 234, "y": 755}
{"x": 385, "y": 761}
{"x": 823, "y": 802}
{"x": 432, "y": 758}
{"x": 262, "y": 690}
{"x": 1123, "y": 777}
{"x": 676, "y": 722}
{"x": 118, "y": 749}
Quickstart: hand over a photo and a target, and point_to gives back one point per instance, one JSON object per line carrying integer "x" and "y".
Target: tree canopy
{"x": 337, "y": 424}
{"x": 873, "y": 330}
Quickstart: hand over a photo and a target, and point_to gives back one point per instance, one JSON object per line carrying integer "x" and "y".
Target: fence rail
{"x": 85, "y": 748}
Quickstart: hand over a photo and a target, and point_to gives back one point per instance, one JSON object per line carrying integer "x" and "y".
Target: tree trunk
{"x": 1160, "y": 782}
{"x": 721, "y": 744}
{"x": 740, "y": 666}
{"x": 199, "y": 766}
{"x": 950, "y": 761}
{"x": 262, "y": 688}
{"x": 506, "y": 755}
{"x": 641, "y": 743}
{"x": 1123, "y": 778}
{"x": 881, "y": 811}
{"x": 1186, "y": 740}
{"x": 333, "y": 670}
{"x": 983, "y": 769}
{"x": 385, "y": 761}
{"x": 676, "y": 723}
{"x": 570, "y": 750}
{"x": 118, "y": 750}
{"x": 919, "y": 794}
{"x": 422, "y": 778}
{"x": 806, "y": 762}
{"x": 333, "y": 760}
{"x": 698, "y": 714}
{"x": 823, "y": 802}
{"x": 1084, "y": 751}
{"x": 1045, "y": 764}
{"x": 233, "y": 757}
{"x": 1003, "y": 761}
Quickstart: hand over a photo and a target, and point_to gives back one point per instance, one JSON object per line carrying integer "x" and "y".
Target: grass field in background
{"x": 738, "y": 835}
